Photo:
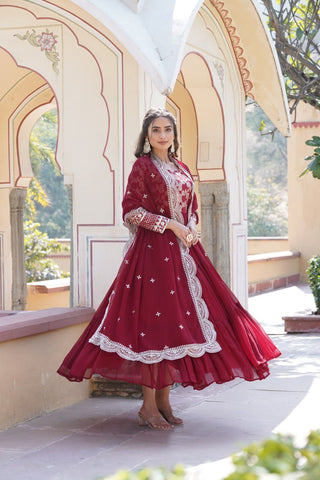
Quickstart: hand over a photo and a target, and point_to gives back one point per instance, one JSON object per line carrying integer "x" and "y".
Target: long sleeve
{"x": 194, "y": 219}
{"x": 145, "y": 219}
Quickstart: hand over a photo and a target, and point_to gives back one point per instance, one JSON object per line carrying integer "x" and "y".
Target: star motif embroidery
{"x": 188, "y": 313}
{"x": 118, "y": 319}
{"x": 130, "y": 346}
{"x": 142, "y": 334}
{"x": 149, "y": 246}
{"x": 126, "y": 262}
{"x": 166, "y": 259}
{"x": 152, "y": 280}
{"x": 161, "y": 210}
{"x": 178, "y": 278}
{"x": 133, "y": 311}
{"x": 172, "y": 292}
{"x": 127, "y": 285}
{"x": 166, "y": 346}
{"x": 152, "y": 175}
{"x": 158, "y": 314}
{"x": 181, "y": 326}
{"x": 145, "y": 195}
{"x": 171, "y": 243}
{"x": 138, "y": 277}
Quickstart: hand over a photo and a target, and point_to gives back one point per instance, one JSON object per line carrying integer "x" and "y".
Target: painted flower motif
{"x": 47, "y": 41}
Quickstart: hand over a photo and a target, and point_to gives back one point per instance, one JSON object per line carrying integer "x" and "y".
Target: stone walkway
{"x": 98, "y": 436}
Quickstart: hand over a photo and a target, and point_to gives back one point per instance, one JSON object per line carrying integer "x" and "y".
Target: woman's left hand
{"x": 194, "y": 233}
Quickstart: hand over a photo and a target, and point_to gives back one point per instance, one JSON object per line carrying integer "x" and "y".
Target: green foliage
{"x": 294, "y": 26}
{"x": 265, "y": 218}
{"x": 314, "y": 165}
{"x": 47, "y": 209}
{"x": 160, "y": 473}
{"x": 47, "y": 198}
{"x": 279, "y": 458}
{"x": 266, "y": 177}
{"x": 313, "y": 272}
{"x": 37, "y": 248}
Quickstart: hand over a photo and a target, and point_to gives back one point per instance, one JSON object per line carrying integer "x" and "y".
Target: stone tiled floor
{"x": 97, "y": 437}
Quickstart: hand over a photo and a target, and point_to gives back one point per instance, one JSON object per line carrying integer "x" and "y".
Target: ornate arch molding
{"x": 46, "y": 39}
{"x": 235, "y": 42}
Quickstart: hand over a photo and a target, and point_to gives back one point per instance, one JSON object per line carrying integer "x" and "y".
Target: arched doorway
{"x": 24, "y": 95}
{"x": 62, "y": 69}
{"x": 201, "y": 121}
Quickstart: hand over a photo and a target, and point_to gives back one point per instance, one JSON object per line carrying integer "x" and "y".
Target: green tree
{"x": 266, "y": 177}
{"x": 47, "y": 197}
{"x": 37, "y": 248}
{"x": 47, "y": 208}
{"x": 294, "y": 27}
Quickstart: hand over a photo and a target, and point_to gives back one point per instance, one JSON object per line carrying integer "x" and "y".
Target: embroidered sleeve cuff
{"x": 150, "y": 221}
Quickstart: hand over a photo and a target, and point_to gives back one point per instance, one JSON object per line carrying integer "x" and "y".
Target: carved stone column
{"x": 207, "y": 218}
{"x": 222, "y": 230}
{"x": 19, "y": 284}
{"x": 215, "y": 225}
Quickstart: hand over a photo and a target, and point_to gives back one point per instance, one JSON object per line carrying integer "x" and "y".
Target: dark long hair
{"x": 150, "y": 116}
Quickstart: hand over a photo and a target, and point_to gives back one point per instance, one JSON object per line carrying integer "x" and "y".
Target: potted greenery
{"x": 308, "y": 323}
{"x": 313, "y": 272}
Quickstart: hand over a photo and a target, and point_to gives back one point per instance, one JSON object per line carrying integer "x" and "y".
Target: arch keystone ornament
{"x": 46, "y": 41}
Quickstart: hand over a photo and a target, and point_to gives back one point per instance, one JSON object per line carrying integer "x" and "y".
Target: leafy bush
{"x": 314, "y": 165}
{"x": 160, "y": 473}
{"x": 37, "y": 247}
{"x": 279, "y": 458}
{"x": 266, "y": 177}
{"x": 313, "y": 272}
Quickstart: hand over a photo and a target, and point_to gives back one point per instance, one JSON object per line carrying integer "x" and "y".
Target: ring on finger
{"x": 189, "y": 237}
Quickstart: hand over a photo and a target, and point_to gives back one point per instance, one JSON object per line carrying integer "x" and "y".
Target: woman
{"x": 168, "y": 317}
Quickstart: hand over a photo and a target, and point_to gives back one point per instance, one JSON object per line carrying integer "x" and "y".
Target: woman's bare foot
{"x": 169, "y": 417}
{"x": 153, "y": 419}
{"x": 164, "y": 407}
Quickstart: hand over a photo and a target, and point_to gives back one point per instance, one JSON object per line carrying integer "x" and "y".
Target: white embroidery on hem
{"x": 148, "y": 356}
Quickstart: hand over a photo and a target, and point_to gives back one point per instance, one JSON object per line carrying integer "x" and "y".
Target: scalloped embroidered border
{"x": 174, "y": 353}
{"x": 238, "y": 50}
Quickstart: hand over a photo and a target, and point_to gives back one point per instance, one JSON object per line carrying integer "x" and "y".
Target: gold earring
{"x": 146, "y": 146}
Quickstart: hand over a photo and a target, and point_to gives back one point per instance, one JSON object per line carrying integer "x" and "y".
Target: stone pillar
{"x": 19, "y": 284}
{"x": 207, "y": 218}
{"x": 215, "y": 225}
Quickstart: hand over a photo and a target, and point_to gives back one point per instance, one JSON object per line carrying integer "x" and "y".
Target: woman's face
{"x": 161, "y": 134}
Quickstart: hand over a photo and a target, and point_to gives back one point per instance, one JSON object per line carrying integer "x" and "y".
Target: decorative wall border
{"x": 306, "y": 124}
{"x": 237, "y": 49}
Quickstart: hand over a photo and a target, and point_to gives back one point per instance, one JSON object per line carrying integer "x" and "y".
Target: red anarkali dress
{"x": 168, "y": 317}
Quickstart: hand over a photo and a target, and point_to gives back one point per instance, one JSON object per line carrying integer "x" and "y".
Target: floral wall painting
{"x": 46, "y": 41}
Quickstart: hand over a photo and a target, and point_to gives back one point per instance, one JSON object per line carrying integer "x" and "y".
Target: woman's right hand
{"x": 181, "y": 231}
